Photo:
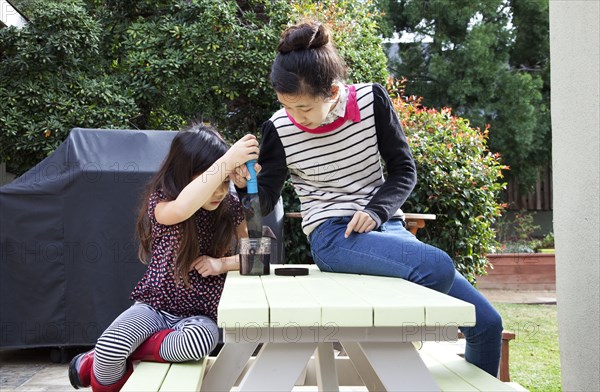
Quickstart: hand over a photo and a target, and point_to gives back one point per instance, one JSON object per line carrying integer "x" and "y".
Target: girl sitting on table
{"x": 187, "y": 225}
{"x": 330, "y": 136}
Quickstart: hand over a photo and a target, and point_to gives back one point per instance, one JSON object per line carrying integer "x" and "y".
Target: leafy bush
{"x": 487, "y": 59}
{"x": 203, "y": 59}
{"x": 516, "y": 247}
{"x": 547, "y": 242}
{"x": 52, "y": 79}
{"x": 140, "y": 64}
{"x": 153, "y": 65}
{"x": 458, "y": 180}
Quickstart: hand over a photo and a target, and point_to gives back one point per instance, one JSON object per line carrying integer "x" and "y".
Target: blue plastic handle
{"x": 252, "y": 185}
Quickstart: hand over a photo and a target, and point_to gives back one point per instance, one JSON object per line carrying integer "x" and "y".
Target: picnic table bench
{"x": 167, "y": 377}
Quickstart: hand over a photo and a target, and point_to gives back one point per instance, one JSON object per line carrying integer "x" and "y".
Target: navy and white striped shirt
{"x": 337, "y": 170}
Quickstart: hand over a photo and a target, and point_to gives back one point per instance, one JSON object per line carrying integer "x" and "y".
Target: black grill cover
{"x": 67, "y": 237}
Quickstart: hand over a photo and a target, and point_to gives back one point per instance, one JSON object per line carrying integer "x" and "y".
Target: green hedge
{"x": 52, "y": 78}
{"x": 154, "y": 65}
{"x": 459, "y": 180}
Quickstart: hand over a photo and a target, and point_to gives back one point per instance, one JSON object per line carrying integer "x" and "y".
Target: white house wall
{"x": 575, "y": 71}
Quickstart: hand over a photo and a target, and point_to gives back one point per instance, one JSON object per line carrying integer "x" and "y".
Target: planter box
{"x": 520, "y": 271}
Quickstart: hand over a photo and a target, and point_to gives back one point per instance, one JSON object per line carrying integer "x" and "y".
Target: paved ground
{"x": 33, "y": 371}
{"x": 520, "y": 297}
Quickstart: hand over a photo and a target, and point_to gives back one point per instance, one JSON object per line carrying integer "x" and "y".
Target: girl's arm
{"x": 206, "y": 265}
{"x": 271, "y": 170}
{"x": 201, "y": 189}
{"x": 274, "y": 169}
{"x": 400, "y": 165}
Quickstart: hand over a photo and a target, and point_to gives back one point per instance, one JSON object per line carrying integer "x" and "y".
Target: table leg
{"x": 327, "y": 379}
{"x": 228, "y": 366}
{"x": 277, "y": 367}
{"x": 398, "y": 366}
{"x": 363, "y": 366}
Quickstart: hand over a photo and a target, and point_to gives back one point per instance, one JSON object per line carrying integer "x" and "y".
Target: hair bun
{"x": 309, "y": 35}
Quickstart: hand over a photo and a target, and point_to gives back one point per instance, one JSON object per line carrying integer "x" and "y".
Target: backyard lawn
{"x": 534, "y": 354}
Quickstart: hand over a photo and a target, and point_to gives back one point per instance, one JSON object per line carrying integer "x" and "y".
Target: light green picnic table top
{"x": 344, "y": 300}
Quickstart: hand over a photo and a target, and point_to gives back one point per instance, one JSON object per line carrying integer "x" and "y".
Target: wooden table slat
{"x": 388, "y": 308}
{"x": 243, "y": 303}
{"x": 290, "y": 303}
{"x": 446, "y": 379}
{"x": 147, "y": 376}
{"x": 339, "y": 305}
{"x": 184, "y": 377}
{"x": 479, "y": 379}
{"x": 344, "y": 313}
{"x": 438, "y": 308}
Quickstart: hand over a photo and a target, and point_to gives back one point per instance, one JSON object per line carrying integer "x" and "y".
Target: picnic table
{"x": 375, "y": 318}
{"x": 414, "y": 222}
{"x": 280, "y": 331}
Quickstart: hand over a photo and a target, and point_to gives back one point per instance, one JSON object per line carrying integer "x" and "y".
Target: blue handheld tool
{"x": 251, "y": 203}
{"x": 252, "y": 185}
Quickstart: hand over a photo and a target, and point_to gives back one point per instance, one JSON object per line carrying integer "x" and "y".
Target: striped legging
{"x": 193, "y": 338}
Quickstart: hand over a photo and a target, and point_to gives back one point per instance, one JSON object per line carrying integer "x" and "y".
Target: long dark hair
{"x": 193, "y": 151}
{"x": 307, "y": 61}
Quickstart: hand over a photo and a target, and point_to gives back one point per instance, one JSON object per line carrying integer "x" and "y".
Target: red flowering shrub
{"x": 458, "y": 181}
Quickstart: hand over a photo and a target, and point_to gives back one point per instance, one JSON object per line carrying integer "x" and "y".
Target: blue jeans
{"x": 394, "y": 251}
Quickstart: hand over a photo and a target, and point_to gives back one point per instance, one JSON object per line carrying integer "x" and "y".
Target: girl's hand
{"x": 241, "y": 152}
{"x": 240, "y": 175}
{"x": 206, "y": 266}
{"x": 361, "y": 222}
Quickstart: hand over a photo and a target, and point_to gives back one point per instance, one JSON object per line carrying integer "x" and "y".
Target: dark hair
{"x": 193, "y": 151}
{"x": 306, "y": 62}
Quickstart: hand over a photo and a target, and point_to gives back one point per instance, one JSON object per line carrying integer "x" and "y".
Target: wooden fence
{"x": 538, "y": 200}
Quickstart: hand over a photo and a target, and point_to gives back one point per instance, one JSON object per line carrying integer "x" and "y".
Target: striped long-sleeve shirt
{"x": 336, "y": 170}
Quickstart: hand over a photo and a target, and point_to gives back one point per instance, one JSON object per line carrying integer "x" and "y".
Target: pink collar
{"x": 352, "y": 114}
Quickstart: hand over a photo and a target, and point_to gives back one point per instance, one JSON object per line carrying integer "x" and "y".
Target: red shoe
{"x": 116, "y": 387}
{"x": 149, "y": 350}
{"x": 80, "y": 370}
